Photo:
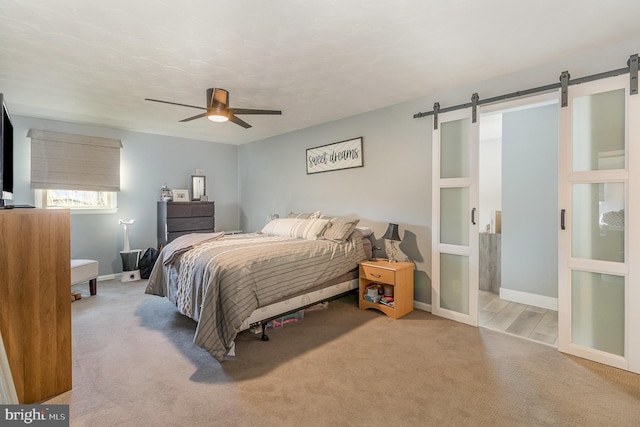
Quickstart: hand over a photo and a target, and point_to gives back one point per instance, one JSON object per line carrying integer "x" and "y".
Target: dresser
{"x": 178, "y": 218}
{"x": 35, "y": 308}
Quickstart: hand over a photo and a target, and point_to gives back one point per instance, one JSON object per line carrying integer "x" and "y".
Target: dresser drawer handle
{"x": 376, "y": 275}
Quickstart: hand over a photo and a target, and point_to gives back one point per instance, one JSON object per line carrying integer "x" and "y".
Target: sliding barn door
{"x": 455, "y": 217}
{"x": 599, "y": 236}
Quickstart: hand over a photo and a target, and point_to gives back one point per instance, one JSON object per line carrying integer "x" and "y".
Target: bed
{"x": 228, "y": 283}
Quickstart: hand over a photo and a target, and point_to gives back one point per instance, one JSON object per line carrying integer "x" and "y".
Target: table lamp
{"x": 392, "y": 236}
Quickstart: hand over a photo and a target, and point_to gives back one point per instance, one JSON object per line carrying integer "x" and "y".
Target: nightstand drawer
{"x": 377, "y": 274}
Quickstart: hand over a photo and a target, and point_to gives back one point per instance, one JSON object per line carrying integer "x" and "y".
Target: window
{"x": 79, "y": 201}
{"x": 78, "y": 172}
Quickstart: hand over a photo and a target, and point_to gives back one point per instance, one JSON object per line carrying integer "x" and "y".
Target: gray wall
{"x": 530, "y": 201}
{"x": 393, "y": 186}
{"x": 147, "y": 162}
{"x": 395, "y": 183}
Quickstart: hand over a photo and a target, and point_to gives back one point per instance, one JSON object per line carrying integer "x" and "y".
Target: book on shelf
{"x": 388, "y": 301}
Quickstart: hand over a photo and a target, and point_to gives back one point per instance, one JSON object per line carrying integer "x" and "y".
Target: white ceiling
{"x": 90, "y": 61}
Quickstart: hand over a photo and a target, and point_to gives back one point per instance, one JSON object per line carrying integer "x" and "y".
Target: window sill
{"x": 92, "y": 211}
{"x": 76, "y": 211}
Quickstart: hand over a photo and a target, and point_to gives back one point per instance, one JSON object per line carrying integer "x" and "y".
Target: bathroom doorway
{"x": 518, "y": 255}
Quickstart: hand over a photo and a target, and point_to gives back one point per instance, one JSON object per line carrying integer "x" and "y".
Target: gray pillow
{"x": 340, "y": 229}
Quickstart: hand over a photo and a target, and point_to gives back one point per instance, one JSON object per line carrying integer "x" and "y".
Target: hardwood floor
{"x": 527, "y": 321}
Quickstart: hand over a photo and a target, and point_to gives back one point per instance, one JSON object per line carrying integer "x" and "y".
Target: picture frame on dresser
{"x": 181, "y": 195}
{"x": 198, "y": 187}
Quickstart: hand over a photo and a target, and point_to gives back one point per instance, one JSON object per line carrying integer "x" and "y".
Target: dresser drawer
{"x": 190, "y": 224}
{"x": 179, "y": 210}
{"x": 377, "y": 274}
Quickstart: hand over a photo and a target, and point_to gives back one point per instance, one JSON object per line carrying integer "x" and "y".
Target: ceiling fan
{"x": 218, "y": 108}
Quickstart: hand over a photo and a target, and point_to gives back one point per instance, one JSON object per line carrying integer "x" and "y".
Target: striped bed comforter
{"x": 221, "y": 281}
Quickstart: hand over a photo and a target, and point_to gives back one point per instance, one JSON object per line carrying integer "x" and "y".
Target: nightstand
{"x": 399, "y": 275}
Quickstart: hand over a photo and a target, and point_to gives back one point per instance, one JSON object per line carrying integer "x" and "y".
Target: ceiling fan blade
{"x": 174, "y": 103}
{"x": 253, "y": 111}
{"x": 238, "y": 121}
{"x": 194, "y": 117}
{"x": 218, "y": 105}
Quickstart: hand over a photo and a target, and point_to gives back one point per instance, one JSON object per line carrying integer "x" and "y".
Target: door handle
{"x": 473, "y": 216}
{"x": 562, "y": 214}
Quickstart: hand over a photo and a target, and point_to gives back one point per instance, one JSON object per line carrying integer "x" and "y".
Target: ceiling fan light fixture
{"x": 217, "y": 109}
{"x": 218, "y": 117}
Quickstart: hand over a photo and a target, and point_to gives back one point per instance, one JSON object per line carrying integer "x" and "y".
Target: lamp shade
{"x": 392, "y": 233}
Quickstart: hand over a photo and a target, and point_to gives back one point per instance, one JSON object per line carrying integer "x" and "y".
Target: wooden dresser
{"x": 178, "y": 218}
{"x": 35, "y": 308}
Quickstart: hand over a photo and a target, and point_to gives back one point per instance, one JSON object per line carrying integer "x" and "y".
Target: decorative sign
{"x": 339, "y": 155}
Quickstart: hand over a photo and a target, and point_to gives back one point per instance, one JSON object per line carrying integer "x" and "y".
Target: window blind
{"x": 62, "y": 161}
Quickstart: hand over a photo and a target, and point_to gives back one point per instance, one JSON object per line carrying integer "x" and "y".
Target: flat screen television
{"x": 6, "y": 154}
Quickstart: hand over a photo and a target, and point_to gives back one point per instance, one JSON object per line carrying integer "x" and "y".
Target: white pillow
{"x": 309, "y": 229}
{"x": 366, "y": 231}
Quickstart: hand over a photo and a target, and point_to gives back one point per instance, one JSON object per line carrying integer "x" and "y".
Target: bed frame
{"x": 262, "y": 316}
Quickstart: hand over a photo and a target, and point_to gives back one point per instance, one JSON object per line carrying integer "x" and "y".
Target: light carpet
{"x": 134, "y": 364}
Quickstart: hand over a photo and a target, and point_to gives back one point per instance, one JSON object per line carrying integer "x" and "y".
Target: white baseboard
{"x": 116, "y": 276}
{"x": 550, "y": 303}
{"x": 422, "y": 306}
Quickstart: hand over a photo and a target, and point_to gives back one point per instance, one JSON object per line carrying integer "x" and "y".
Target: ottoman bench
{"x": 85, "y": 270}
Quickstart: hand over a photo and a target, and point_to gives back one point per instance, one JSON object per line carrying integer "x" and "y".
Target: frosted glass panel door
{"x": 599, "y": 233}
{"x": 455, "y": 229}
